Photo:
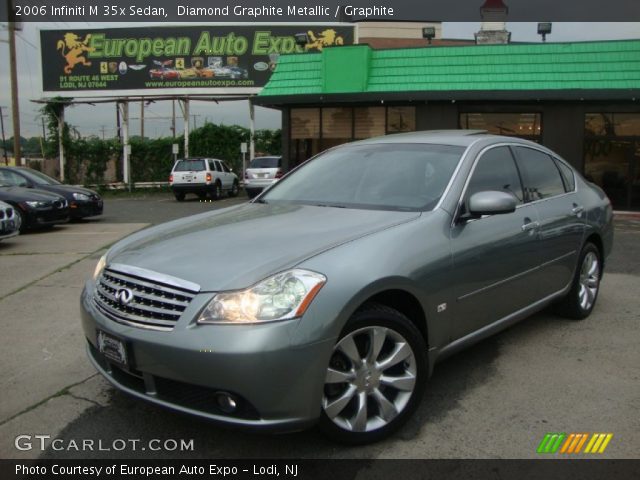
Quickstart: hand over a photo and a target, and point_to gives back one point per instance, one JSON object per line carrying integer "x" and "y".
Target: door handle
{"x": 530, "y": 226}
{"x": 577, "y": 209}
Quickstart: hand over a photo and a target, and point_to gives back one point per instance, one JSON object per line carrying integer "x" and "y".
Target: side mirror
{"x": 491, "y": 203}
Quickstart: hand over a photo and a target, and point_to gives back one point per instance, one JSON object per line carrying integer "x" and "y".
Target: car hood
{"x": 21, "y": 194}
{"x": 67, "y": 190}
{"x": 239, "y": 246}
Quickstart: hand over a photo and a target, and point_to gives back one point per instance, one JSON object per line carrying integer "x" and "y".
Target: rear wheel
{"x": 579, "y": 303}
{"x": 179, "y": 196}
{"x": 217, "y": 191}
{"x": 375, "y": 378}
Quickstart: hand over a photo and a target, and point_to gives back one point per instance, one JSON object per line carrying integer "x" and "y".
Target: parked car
{"x": 34, "y": 208}
{"x": 203, "y": 176}
{"x": 262, "y": 172}
{"x": 331, "y": 296}
{"x": 82, "y": 201}
{"x": 9, "y": 221}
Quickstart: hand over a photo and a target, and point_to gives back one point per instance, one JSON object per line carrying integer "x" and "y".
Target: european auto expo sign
{"x": 157, "y": 60}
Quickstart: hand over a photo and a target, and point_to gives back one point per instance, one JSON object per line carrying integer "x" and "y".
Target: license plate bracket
{"x": 112, "y": 348}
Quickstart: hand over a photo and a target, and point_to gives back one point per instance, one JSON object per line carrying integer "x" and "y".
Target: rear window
{"x": 265, "y": 162}
{"x": 189, "y": 166}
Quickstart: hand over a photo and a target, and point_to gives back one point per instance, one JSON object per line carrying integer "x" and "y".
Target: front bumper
{"x": 277, "y": 382}
{"x": 86, "y": 209}
{"x": 43, "y": 217}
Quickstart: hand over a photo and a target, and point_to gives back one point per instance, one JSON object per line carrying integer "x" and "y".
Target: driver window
{"x": 496, "y": 170}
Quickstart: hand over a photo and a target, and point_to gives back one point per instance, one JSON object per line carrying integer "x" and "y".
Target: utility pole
{"x": 142, "y": 119}
{"x": 14, "y": 83}
{"x": 173, "y": 117}
{"x": 102, "y": 130}
{"x": 4, "y": 144}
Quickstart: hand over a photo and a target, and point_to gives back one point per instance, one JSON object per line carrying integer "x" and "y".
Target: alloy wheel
{"x": 589, "y": 280}
{"x": 370, "y": 379}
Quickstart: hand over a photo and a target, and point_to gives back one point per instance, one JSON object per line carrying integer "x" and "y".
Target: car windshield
{"x": 39, "y": 177}
{"x": 374, "y": 176}
{"x": 265, "y": 162}
{"x": 189, "y": 165}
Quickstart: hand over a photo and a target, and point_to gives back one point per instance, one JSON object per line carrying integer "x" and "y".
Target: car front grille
{"x": 138, "y": 299}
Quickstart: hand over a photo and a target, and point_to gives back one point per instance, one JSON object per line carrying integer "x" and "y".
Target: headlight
{"x": 81, "y": 197}
{"x": 280, "y": 297}
{"x": 100, "y": 267}
{"x": 35, "y": 204}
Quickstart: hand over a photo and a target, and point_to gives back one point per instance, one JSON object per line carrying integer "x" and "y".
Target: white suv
{"x": 203, "y": 176}
{"x": 262, "y": 172}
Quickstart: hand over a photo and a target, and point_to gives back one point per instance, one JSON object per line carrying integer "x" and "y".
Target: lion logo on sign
{"x": 326, "y": 38}
{"x": 73, "y": 49}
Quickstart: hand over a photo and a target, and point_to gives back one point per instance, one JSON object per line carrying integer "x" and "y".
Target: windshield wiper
{"x": 261, "y": 200}
{"x": 334, "y": 205}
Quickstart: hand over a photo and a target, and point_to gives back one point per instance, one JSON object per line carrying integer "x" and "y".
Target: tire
{"x": 235, "y": 189}
{"x": 581, "y": 299}
{"x": 202, "y": 196}
{"x": 20, "y": 219}
{"x": 179, "y": 196}
{"x": 358, "y": 392}
{"x": 252, "y": 193}
{"x": 216, "y": 193}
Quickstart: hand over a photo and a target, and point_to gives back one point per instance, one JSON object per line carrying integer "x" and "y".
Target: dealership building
{"x": 580, "y": 99}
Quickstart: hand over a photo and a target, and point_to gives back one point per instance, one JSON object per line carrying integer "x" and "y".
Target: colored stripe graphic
{"x": 598, "y": 443}
{"x": 573, "y": 443}
{"x": 551, "y": 442}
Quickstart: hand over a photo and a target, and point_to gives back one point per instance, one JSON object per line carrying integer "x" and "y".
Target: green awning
{"x": 585, "y": 70}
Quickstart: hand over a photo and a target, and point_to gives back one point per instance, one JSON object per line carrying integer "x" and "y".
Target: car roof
{"x": 462, "y": 138}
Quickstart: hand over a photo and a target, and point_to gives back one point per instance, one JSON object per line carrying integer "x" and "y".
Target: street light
{"x": 544, "y": 29}
{"x": 429, "y": 33}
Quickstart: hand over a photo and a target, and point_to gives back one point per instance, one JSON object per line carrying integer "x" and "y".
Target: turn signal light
{"x": 279, "y": 173}
{"x": 171, "y": 178}
{"x": 208, "y": 177}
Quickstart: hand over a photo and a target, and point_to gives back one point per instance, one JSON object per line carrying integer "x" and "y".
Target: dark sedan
{"x": 34, "y": 208}
{"x": 82, "y": 201}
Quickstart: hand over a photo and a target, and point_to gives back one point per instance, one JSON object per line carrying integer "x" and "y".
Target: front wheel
{"x": 179, "y": 196}
{"x": 235, "y": 189}
{"x": 581, "y": 299}
{"x": 375, "y": 378}
{"x": 20, "y": 219}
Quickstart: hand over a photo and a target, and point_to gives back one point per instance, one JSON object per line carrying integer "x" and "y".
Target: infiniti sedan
{"x": 377, "y": 259}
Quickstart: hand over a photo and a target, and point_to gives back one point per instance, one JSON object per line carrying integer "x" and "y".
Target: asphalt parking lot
{"x": 494, "y": 400}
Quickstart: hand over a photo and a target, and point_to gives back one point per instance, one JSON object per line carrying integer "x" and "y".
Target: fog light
{"x": 226, "y": 402}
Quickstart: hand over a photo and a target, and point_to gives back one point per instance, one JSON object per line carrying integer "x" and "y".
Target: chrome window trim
{"x": 456, "y": 171}
{"x": 155, "y": 276}
{"x": 523, "y": 204}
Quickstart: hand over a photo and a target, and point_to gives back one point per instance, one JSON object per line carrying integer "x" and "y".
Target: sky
{"x": 101, "y": 119}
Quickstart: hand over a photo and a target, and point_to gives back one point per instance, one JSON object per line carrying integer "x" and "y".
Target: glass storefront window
{"x": 401, "y": 119}
{"x": 337, "y": 125}
{"x": 525, "y": 125}
{"x": 305, "y": 134}
{"x": 369, "y": 122}
{"x": 612, "y": 156}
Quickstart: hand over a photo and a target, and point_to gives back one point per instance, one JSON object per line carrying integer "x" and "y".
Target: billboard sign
{"x": 211, "y": 59}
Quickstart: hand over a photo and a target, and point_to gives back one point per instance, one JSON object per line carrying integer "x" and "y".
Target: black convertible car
{"x": 82, "y": 201}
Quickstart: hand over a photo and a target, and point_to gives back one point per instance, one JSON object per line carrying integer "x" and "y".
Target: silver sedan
{"x": 330, "y": 297}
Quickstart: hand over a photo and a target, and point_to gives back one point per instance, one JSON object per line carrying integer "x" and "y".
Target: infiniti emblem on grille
{"x": 124, "y": 296}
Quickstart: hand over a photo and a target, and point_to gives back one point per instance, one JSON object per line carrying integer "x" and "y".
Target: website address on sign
{"x": 200, "y": 83}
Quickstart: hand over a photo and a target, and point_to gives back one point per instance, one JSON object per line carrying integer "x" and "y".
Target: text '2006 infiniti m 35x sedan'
{"x": 330, "y": 297}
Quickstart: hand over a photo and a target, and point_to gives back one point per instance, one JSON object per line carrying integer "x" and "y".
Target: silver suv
{"x": 203, "y": 176}
{"x": 262, "y": 172}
